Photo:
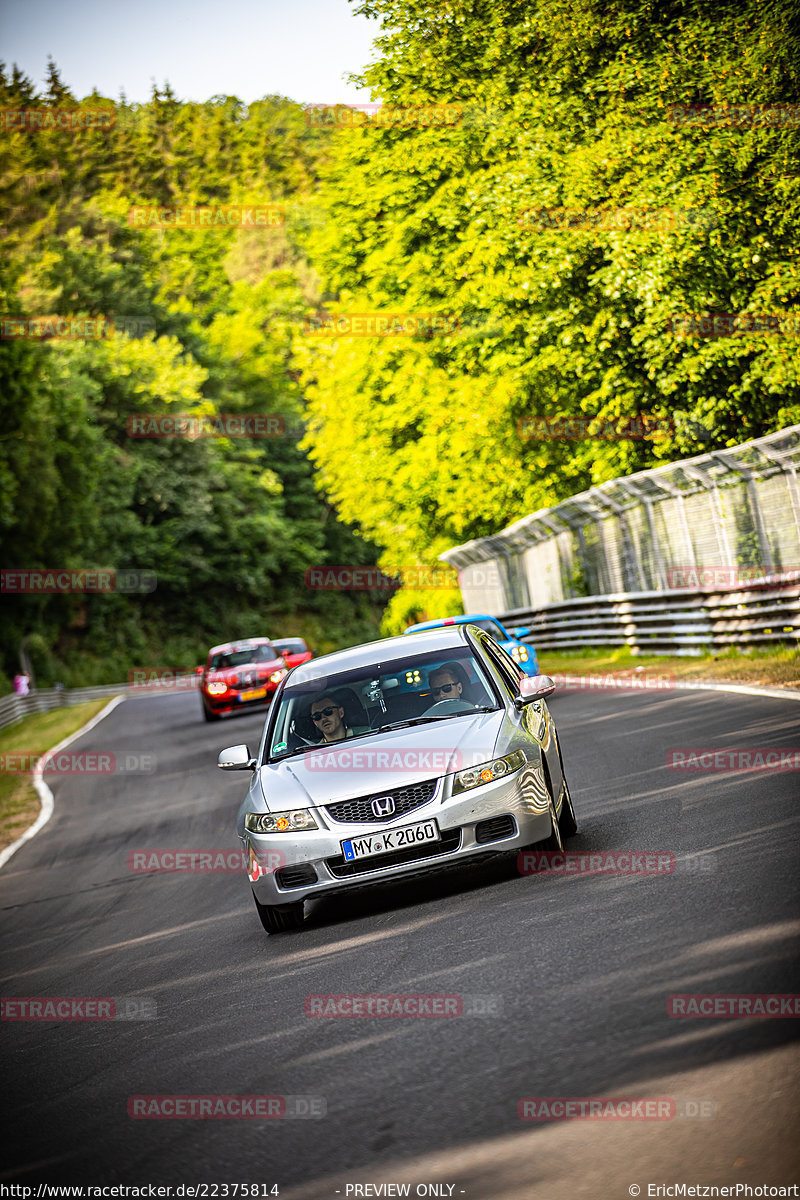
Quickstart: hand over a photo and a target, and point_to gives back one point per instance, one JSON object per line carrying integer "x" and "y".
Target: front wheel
{"x": 555, "y": 840}
{"x": 567, "y": 822}
{"x": 280, "y": 918}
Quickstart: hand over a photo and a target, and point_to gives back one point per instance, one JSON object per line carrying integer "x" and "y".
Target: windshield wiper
{"x": 403, "y": 724}
{"x": 434, "y": 717}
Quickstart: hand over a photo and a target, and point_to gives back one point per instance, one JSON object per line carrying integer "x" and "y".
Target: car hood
{"x": 380, "y": 762}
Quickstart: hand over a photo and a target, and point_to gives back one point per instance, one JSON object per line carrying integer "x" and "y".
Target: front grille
{"x": 405, "y": 800}
{"x": 249, "y": 680}
{"x": 495, "y": 829}
{"x": 298, "y": 876}
{"x": 450, "y": 840}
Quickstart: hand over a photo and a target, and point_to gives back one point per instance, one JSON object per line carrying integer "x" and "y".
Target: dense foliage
{"x": 229, "y": 525}
{"x": 570, "y": 220}
{"x": 590, "y": 181}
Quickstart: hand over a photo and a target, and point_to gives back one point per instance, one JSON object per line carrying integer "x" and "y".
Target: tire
{"x": 282, "y": 918}
{"x": 210, "y": 716}
{"x": 567, "y": 822}
{"x": 555, "y": 841}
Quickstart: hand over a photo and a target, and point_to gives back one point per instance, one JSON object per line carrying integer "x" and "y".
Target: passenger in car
{"x": 328, "y": 716}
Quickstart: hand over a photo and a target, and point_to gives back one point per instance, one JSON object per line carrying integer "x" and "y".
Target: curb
{"x": 43, "y": 791}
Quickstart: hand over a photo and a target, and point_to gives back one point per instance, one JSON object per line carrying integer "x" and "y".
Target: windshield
{"x": 492, "y": 628}
{"x": 241, "y": 657}
{"x": 358, "y": 702}
{"x": 291, "y": 646}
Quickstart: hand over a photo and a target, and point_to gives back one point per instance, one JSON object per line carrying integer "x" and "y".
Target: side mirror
{"x": 199, "y": 670}
{"x": 521, "y": 631}
{"x": 236, "y": 758}
{"x": 534, "y": 688}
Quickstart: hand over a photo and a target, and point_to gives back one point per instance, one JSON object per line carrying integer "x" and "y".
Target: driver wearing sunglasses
{"x": 328, "y": 716}
{"x": 444, "y": 685}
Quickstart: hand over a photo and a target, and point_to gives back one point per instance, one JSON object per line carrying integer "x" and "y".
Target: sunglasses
{"x": 323, "y": 712}
{"x": 446, "y": 687}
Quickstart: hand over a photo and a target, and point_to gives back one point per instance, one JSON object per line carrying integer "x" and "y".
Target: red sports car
{"x": 240, "y": 676}
{"x": 293, "y": 650}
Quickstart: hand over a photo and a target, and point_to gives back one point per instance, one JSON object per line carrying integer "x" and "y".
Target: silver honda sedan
{"x": 396, "y": 757}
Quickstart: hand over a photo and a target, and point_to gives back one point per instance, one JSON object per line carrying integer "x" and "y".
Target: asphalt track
{"x": 579, "y": 967}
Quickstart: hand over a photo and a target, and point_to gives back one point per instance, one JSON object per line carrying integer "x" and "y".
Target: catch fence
{"x": 701, "y": 552}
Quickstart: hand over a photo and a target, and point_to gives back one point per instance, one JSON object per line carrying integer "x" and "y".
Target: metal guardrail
{"x": 682, "y": 622}
{"x": 13, "y": 708}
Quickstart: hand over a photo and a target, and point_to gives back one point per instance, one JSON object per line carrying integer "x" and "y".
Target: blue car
{"x": 522, "y": 654}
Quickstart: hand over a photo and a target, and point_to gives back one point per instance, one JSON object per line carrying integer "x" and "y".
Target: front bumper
{"x": 463, "y": 828}
{"x": 230, "y": 702}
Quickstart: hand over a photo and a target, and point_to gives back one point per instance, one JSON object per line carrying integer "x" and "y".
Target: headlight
{"x": 487, "y": 772}
{"x": 519, "y": 653}
{"x": 277, "y": 676}
{"x": 286, "y": 822}
{"x": 216, "y": 689}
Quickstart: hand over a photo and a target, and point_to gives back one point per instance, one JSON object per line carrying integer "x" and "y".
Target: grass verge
{"x": 777, "y": 666}
{"x": 19, "y": 804}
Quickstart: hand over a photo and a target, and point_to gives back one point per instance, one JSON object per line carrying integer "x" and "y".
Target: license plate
{"x": 403, "y": 838}
{"x": 253, "y": 694}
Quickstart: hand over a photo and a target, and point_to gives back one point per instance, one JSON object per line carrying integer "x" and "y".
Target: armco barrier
{"x": 14, "y": 708}
{"x": 683, "y": 622}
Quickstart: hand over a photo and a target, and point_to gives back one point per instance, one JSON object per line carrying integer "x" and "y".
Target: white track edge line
{"x": 43, "y": 791}
{"x": 688, "y": 685}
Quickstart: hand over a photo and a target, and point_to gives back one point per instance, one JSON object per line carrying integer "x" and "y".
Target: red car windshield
{"x": 241, "y": 658}
{"x": 291, "y": 646}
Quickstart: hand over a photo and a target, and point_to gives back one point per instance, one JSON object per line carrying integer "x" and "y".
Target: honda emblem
{"x": 383, "y": 806}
